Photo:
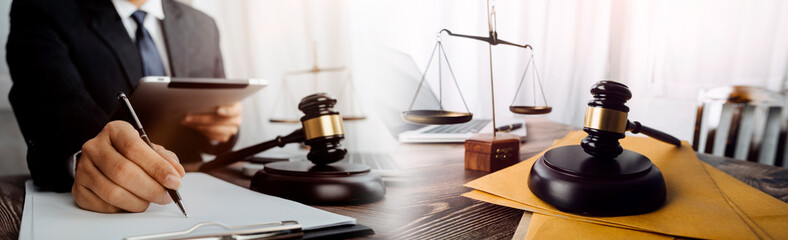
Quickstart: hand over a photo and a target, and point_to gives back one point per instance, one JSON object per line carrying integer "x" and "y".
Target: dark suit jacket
{"x": 70, "y": 58}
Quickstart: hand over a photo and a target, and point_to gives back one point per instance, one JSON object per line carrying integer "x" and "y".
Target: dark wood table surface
{"x": 425, "y": 202}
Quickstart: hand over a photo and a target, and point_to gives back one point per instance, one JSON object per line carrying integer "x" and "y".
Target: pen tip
{"x": 183, "y": 209}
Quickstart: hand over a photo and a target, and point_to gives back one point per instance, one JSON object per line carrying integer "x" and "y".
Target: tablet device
{"x": 166, "y": 99}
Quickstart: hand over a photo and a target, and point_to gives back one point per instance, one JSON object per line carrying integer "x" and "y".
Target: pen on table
{"x": 176, "y": 197}
{"x": 508, "y": 128}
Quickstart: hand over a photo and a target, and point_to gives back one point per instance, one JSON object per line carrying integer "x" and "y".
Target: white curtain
{"x": 668, "y": 50}
{"x": 664, "y": 50}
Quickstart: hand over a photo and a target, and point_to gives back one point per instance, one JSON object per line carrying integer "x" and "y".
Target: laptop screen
{"x": 400, "y": 80}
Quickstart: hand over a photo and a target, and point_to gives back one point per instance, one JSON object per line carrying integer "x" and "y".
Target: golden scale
{"x": 346, "y": 97}
{"x": 485, "y": 152}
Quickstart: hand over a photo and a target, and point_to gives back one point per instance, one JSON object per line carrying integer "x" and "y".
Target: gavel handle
{"x": 636, "y": 127}
{"x": 232, "y": 157}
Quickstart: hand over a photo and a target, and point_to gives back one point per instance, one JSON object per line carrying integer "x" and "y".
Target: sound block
{"x": 333, "y": 184}
{"x": 488, "y": 153}
{"x": 576, "y": 182}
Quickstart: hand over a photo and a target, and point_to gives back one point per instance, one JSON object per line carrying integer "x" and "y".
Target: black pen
{"x": 176, "y": 197}
{"x": 509, "y": 128}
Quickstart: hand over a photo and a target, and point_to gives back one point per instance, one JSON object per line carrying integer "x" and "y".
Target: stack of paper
{"x": 49, "y": 215}
{"x": 702, "y": 202}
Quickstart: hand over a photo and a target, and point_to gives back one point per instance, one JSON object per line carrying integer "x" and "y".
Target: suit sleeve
{"x": 55, "y": 112}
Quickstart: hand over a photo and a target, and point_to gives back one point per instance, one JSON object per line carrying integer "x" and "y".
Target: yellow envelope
{"x": 770, "y": 214}
{"x": 694, "y": 207}
{"x": 767, "y": 216}
{"x": 548, "y": 227}
{"x": 486, "y": 197}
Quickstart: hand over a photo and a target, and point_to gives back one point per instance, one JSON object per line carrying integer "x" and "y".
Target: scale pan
{"x": 530, "y": 109}
{"x": 438, "y": 117}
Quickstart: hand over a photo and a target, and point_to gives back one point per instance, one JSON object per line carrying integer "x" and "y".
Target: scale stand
{"x": 287, "y": 96}
{"x": 484, "y": 152}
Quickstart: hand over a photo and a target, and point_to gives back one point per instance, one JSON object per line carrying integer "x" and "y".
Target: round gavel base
{"x": 574, "y": 181}
{"x": 333, "y": 184}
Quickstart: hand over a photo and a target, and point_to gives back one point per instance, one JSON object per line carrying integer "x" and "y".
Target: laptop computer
{"x": 401, "y": 78}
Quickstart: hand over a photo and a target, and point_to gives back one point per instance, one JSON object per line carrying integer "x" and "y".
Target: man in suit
{"x": 70, "y": 58}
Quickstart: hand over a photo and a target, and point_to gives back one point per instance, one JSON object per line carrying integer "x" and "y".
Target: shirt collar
{"x": 126, "y": 8}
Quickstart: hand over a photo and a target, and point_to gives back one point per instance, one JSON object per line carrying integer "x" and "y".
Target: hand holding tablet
{"x": 210, "y": 106}
{"x": 219, "y": 126}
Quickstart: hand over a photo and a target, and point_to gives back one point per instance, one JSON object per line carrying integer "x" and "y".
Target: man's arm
{"x": 54, "y": 110}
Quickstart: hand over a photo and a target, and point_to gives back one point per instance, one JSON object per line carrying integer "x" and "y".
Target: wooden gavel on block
{"x": 599, "y": 177}
{"x": 321, "y": 130}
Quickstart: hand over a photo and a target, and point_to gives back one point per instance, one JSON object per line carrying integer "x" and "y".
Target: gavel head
{"x": 322, "y": 129}
{"x": 606, "y": 119}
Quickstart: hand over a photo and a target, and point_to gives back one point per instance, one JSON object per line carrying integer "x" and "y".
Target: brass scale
{"x": 441, "y": 116}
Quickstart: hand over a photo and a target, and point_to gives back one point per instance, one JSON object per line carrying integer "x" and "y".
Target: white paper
{"x": 49, "y": 215}
{"x": 26, "y": 227}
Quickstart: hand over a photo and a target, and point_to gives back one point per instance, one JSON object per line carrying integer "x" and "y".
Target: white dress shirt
{"x": 152, "y": 23}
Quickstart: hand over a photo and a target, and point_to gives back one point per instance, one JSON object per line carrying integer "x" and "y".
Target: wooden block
{"x": 483, "y": 152}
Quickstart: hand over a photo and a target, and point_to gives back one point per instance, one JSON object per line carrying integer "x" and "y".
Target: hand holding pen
{"x": 118, "y": 171}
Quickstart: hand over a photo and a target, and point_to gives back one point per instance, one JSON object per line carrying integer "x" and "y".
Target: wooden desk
{"x": 428, "y": 204}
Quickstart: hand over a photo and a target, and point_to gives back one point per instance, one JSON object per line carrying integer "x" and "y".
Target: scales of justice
{"x": 485, "y": 151}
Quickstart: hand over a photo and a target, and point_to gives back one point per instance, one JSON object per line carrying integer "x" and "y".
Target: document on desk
{"x": 49, "y": 215}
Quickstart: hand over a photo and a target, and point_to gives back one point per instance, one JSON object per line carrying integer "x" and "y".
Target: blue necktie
{"x": 151, "y": 61}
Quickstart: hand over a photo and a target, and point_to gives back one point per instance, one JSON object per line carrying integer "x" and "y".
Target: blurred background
{"x": 665, "y": 51}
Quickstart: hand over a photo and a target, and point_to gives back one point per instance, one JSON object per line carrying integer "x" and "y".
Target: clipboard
{"x": 50, "y": 215}
{"x": 273, "y": 230}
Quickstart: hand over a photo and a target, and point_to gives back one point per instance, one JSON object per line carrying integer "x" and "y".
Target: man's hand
{"x": 219, "y": 126}
{"x": 118, "y": 171}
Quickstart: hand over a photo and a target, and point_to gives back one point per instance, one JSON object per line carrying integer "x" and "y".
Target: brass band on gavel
{"x": 323, "y": 126}
{"x": 606, "y": 119}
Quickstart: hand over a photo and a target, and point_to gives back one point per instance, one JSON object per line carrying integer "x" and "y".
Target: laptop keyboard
{"x": 472, "y": 126}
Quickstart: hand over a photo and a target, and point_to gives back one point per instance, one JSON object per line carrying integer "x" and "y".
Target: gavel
{"x": 321, "y": 130}
{"x": 599, "y": 177}
{"x": 606, "y": 121}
